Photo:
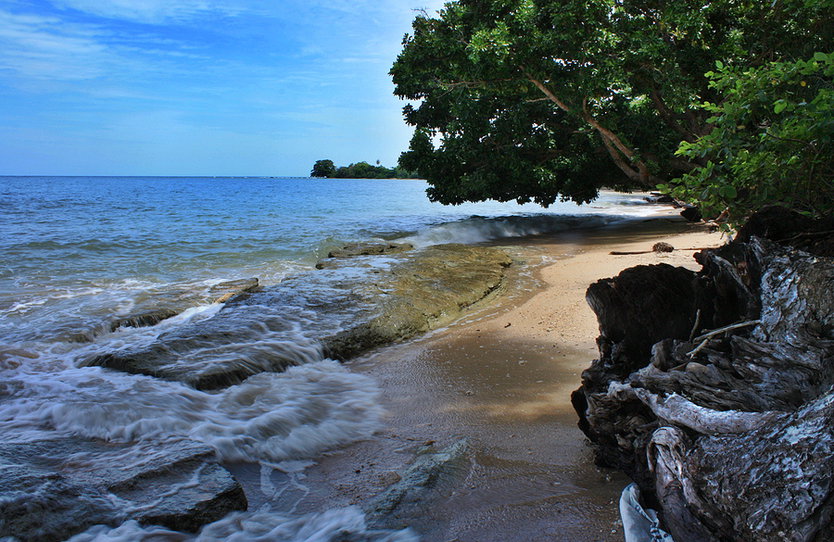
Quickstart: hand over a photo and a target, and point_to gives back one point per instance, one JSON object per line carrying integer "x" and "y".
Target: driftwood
{"x": 705, "y": 338}
{"x": 654, "y": 249}
{"x": 714, "y": 391}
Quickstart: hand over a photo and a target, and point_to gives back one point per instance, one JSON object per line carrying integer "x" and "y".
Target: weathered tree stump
{"x": 714, "y": 391}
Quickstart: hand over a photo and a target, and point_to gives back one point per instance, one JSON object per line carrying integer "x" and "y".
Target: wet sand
{"x": 502, "y": 380}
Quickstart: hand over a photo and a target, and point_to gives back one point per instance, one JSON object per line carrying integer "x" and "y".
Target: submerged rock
{"x": 345, "y": 311}
{"x": 225, "y": 291}
{"x": 430, "y": 469}
{"x": 362, "y": 249}
{"x": 150, "y": 318}
{"x": 48, "y": 507}
{"x": 424, "y": 293}
{"x": 238, "y": 342}
{"x": 143, "y": 319}
{"x": 53, "y": 489}
{"x": 162, "y": 305}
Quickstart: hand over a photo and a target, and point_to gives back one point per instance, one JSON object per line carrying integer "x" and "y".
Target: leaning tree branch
{"x": 615, "y": 146}
{"x": 668, "y": 116}
{"x": 633, "y": 174}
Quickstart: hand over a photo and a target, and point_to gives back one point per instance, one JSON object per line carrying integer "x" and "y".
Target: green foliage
{"x": 772, "y": 140}
{"x": 483, "y": 130}
{"x": 360, "y": 170}
{"x": 536, "y": 100}
{"x": 323, "y": 168}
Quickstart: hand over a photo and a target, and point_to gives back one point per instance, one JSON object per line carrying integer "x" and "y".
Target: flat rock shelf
{"x": 367, "y": 302}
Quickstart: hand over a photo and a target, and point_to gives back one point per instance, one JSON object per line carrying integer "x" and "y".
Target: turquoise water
{"x": 78, "y": 251}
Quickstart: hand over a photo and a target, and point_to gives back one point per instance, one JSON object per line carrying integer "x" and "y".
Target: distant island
{"x": 360, "y": 170}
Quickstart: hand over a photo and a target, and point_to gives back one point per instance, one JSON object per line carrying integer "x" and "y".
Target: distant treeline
{"x": 359, "y": 170}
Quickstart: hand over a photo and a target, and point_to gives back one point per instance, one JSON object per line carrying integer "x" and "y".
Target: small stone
{"x": 389, "y": 478}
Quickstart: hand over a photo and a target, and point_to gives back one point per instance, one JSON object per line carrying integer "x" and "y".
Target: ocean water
{"x": 79, "y": 252}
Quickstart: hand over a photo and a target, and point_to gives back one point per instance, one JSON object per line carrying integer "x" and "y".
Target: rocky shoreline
{"x": 414, "y": 291}
{"x": 59, "y": 487}
{"x": 418, "y": 291}
{"x": 713, "y": 389}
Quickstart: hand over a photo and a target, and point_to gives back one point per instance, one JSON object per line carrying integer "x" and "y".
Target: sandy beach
{"x": 501, "y": 379}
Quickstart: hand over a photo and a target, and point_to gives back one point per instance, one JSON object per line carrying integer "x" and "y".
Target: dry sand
{"x": 502, "y": 380}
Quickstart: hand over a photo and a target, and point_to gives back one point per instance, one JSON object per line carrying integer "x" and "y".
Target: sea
{"x": 77, "y": 253}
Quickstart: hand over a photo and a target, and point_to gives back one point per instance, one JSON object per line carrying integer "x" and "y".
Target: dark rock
{"x": 776, "y": 223}
{"x": 691, "y": 213}
{"x": 643, "y": 305}
{"x": 54, "y": 489}
{"x": 657, "y": 197}
{"x": 369, "y": 249}
{"x": 789, "y": 227}
{"x": 146, "y": 319}
{"x": 662, "y": 247}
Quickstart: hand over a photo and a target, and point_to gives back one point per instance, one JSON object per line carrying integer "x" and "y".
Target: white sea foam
{"x": 609, "y": 208}
{"x": 478, "y": 229}
{"x": 263, "y": 525}
{"x": 270, "y": 417}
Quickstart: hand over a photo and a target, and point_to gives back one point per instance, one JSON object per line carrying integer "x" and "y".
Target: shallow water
{"x": 78, "y": 252}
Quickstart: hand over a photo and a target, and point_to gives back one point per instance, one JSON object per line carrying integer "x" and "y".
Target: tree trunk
{"x": 730, "y": 433}
{"x": 635, "y": 169}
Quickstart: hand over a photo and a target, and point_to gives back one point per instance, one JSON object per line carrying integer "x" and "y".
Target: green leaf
{"x": 779, "y": 106}
{"x": 728, "y": 191}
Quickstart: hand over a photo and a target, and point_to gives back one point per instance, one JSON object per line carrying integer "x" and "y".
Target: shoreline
{"x": 501, "y": 379}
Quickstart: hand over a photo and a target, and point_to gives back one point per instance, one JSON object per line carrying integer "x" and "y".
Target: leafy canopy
{"x": 772, "y": 142}
{"x": 536, "y": 100}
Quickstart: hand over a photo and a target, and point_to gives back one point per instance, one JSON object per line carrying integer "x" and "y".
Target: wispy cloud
{"x": 154, "y": 11}
{"x": 39, "y": 47}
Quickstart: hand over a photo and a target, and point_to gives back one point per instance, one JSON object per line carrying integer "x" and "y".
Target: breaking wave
{"x": 478, "y": 229}
{"x": 271, "y": 417}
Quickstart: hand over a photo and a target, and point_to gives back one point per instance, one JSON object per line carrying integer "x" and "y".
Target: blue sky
{"x": 199, "y": 87}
